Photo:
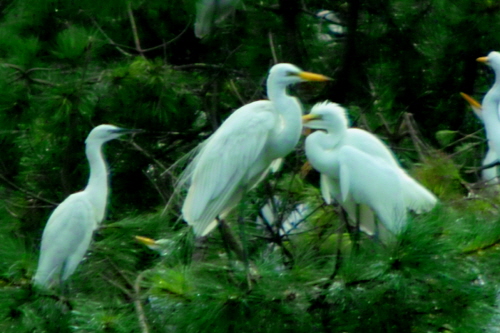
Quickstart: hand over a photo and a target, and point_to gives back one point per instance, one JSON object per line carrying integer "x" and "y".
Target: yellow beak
{"x": 308, "y": 76}
{"x": 309, "y": 117}
{"x": 483, "y": 60}
{"x": 146, "y": 241}
{"x": 471, "y": 100}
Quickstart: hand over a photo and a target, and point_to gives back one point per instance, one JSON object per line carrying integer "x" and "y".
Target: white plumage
{"x": 68, "y": 232}
{"x": 241, "y": 152}
{"x": 489, "y": 175}
{"x": 358, "y": 169}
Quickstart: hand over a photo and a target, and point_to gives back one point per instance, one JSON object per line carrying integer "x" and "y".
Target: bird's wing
{"x": 65, "y": 239}
{"x": 373, "y": 182}
{"x": 370, "y": 144}
{"x": 233, "y": 159}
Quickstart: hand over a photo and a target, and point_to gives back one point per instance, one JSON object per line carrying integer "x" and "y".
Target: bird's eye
{"x": 290, "y": 73}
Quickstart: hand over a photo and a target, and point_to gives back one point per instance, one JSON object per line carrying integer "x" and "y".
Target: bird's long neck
{"x": 289, "y": 114}
{"x": 97, "y": 186}
{"x": 321, "y": 151}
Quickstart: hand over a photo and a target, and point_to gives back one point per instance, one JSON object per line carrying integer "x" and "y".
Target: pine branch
{"x": 27, "y": 192}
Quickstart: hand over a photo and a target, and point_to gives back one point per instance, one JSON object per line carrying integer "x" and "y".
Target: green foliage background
{"x": 67, "y": 66}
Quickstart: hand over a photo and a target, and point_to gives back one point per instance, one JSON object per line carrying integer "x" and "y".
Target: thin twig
{"x": 138, "y": 305}
{"x": 464, "y": 150}
{"x": 157, "y": 188}
{"x": 271, "y": 45}
{"x": 468, "y": 136}
{"x": 31, "y": 194}
{"x": 110, "y": 41}
{"x": 148, "y": 155}
{"x": 236, "y": 92}
{"x": 170, "y": 41}
{"x": 134, "y": 29}
{"x": 117, "y": 285}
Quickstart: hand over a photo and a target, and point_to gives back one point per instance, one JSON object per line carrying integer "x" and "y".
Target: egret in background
{"x": 68, "y": 232}
{"x": 357, "y": 168}
{"x": 211, "y": 12}
{"x": 239, "y": 154}
{"x": 491, "y": 104}
{"x": 489, "y": 175}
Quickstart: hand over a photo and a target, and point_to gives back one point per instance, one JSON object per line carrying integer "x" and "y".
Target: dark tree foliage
{"x": 397, "y": 65}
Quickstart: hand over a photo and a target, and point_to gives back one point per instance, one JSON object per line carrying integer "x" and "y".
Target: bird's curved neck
{"x": 320, "y": 151}
{"x": 289, "y": 114}
{"x": 97, "y": 186}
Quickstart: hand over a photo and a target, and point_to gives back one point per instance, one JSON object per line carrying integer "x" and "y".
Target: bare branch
{"x": 134, "y": 29}
{"x": 110, "y": 41}
{"x": 138, "y": 305}
{"x": 273, "y": 49}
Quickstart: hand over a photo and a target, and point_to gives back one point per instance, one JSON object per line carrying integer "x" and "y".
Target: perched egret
{"x": 489, "y": 175}
{"x": 68, "y": 232}
{"x": 239, "y": 154}
{"x": 358, "y": 169}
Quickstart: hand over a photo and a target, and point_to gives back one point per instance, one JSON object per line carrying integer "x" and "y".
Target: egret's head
{"x": 493, "y": 59}
{"x": 104, "y": 133}
{"x": 326, "y": 116}
{"x": 286, "y": 74}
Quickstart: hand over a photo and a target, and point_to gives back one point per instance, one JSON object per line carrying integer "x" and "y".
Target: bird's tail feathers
{"x": 417, "y": 198}
{"x": 182, "y": 179}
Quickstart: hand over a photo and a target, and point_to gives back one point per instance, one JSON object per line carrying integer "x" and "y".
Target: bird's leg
{"x": 340, "y": 235}
{"x": 357, "y": 232}
{"x": 229, "y": 239}
{"x": 244, "y": 253}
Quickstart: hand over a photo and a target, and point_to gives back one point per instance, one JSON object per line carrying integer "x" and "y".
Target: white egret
{"x": 68, "y": 232}
{"x": 489, "y": 175}
{"x": 358, "y": 169}
{"x": 239, "y": 154}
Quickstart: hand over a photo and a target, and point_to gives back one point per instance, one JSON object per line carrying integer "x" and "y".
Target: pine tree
{"x": 397, "y": 65}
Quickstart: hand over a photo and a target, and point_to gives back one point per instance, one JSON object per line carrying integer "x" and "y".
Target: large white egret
{"x": 239, "y": 154}
{"x": 357, "y": 168}
{"x": 68, "y": 232}
{"x": 489, "y": 175}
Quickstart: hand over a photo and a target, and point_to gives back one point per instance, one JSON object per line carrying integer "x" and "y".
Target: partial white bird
{"x": 357, "y": 168}
{"x": 489, "y": 175}
{"x": 491, "y": 104}
{"x": 240, "y": 153}
{"x": 210, "y": 13}
{"x": 68, "y": 232}
{"x": 162, "y": 246}
{"x": 273, "y": 213}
